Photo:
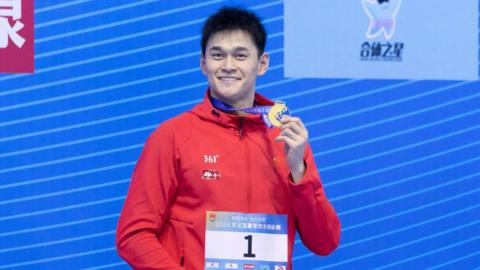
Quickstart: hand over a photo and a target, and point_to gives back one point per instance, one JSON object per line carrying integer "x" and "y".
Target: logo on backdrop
{"x": 383, "y": 16}
{"x": 16, "y": 36}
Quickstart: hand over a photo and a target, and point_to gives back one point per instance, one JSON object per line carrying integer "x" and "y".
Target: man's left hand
{"x": 295, "y": 136}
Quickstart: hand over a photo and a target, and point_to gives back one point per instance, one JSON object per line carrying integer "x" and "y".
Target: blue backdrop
{"x": 399, "y": 159}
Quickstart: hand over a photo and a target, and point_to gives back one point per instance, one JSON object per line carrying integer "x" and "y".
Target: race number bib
{"x": 246, "y": 241}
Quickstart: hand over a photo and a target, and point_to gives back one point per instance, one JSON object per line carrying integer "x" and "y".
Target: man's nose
{"x": 229, "y": 64}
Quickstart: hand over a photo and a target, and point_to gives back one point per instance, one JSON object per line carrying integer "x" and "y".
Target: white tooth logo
{"x": 382, "y": 14}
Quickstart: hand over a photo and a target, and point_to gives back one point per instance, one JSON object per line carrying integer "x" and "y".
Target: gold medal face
{"x": 277, "y": 112}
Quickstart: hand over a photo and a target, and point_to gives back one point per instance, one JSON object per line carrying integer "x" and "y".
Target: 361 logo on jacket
{"x": 211, "y": 174}
{"x": 16, "y": 36}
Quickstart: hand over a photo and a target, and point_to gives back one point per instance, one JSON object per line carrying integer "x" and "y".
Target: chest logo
{"x": 211, "y": 174}
{"x": 210, "y": 159}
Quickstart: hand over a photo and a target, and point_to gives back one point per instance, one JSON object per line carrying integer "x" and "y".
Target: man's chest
{"x": 231, "y": 171}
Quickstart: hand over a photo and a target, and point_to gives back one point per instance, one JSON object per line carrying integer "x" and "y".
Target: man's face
{"x": 232, "y": 64}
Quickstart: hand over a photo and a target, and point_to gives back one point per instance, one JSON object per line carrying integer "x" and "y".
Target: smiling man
{"x": 229, "y": 183}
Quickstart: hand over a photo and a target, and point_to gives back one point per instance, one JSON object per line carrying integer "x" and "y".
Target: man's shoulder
{"x": 177, "y": 122}
{"x": 177, "y": 128}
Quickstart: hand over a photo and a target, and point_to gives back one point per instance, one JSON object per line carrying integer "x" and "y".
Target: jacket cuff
{"x": 307, "y": 184}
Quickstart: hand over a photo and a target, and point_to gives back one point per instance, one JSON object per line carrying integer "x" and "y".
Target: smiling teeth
{"x": 228, "y": 78}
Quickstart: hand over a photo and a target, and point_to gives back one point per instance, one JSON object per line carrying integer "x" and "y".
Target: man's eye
{"x": 241, "y": 56}
{"x": 216, "y": 55}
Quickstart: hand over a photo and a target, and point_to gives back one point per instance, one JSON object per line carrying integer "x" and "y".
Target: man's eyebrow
{"x": 241, "y": 49}
{"x": 217, "y": 48}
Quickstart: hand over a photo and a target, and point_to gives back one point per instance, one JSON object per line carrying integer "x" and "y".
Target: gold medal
{"x": 277, "y": 112}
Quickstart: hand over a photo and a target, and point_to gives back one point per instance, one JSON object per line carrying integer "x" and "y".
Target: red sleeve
{"x": 151, "y": 191}
{"x": 317, "y": 221}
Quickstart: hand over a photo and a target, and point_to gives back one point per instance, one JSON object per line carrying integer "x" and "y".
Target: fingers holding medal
{"x": 293, "y": 131}
{"x": 295, "y": 136}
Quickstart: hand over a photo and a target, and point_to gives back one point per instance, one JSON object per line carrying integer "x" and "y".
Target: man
{"x": 217, "y": 187}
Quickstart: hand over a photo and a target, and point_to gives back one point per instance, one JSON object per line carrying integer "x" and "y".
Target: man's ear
{"x": 263, "y": 64}
{"x": 202, "y": 64}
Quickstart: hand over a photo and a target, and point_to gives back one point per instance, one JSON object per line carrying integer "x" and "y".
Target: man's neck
{"x": 243, "y": 104}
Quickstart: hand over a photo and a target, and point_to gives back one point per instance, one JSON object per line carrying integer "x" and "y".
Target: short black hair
{"x": 235, "y": 18}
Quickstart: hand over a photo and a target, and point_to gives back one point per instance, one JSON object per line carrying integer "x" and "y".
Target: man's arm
{"x": 152, "y": 188}
{"x": 317, "y": 221}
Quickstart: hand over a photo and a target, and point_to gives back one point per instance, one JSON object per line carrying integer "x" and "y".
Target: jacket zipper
{"x": 249, "y": 174}
{"x": 249, "y": 183}
{"x": 240, "y": 127}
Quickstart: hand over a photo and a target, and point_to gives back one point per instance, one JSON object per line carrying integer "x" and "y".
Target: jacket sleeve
{"x": 317, "y": 221}
{"x": 151, "y": 191}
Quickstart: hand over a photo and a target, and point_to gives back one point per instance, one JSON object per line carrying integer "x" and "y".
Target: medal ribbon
{"x": 263, "y": 110}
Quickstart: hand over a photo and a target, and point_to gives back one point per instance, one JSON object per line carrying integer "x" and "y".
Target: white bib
{"x": 246, "y": 241}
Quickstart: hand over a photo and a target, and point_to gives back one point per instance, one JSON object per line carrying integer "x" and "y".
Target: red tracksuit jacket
{"x": 162, "y": 224}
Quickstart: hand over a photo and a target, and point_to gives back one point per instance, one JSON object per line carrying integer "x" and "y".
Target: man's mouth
{"x": 228, "y": 78}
